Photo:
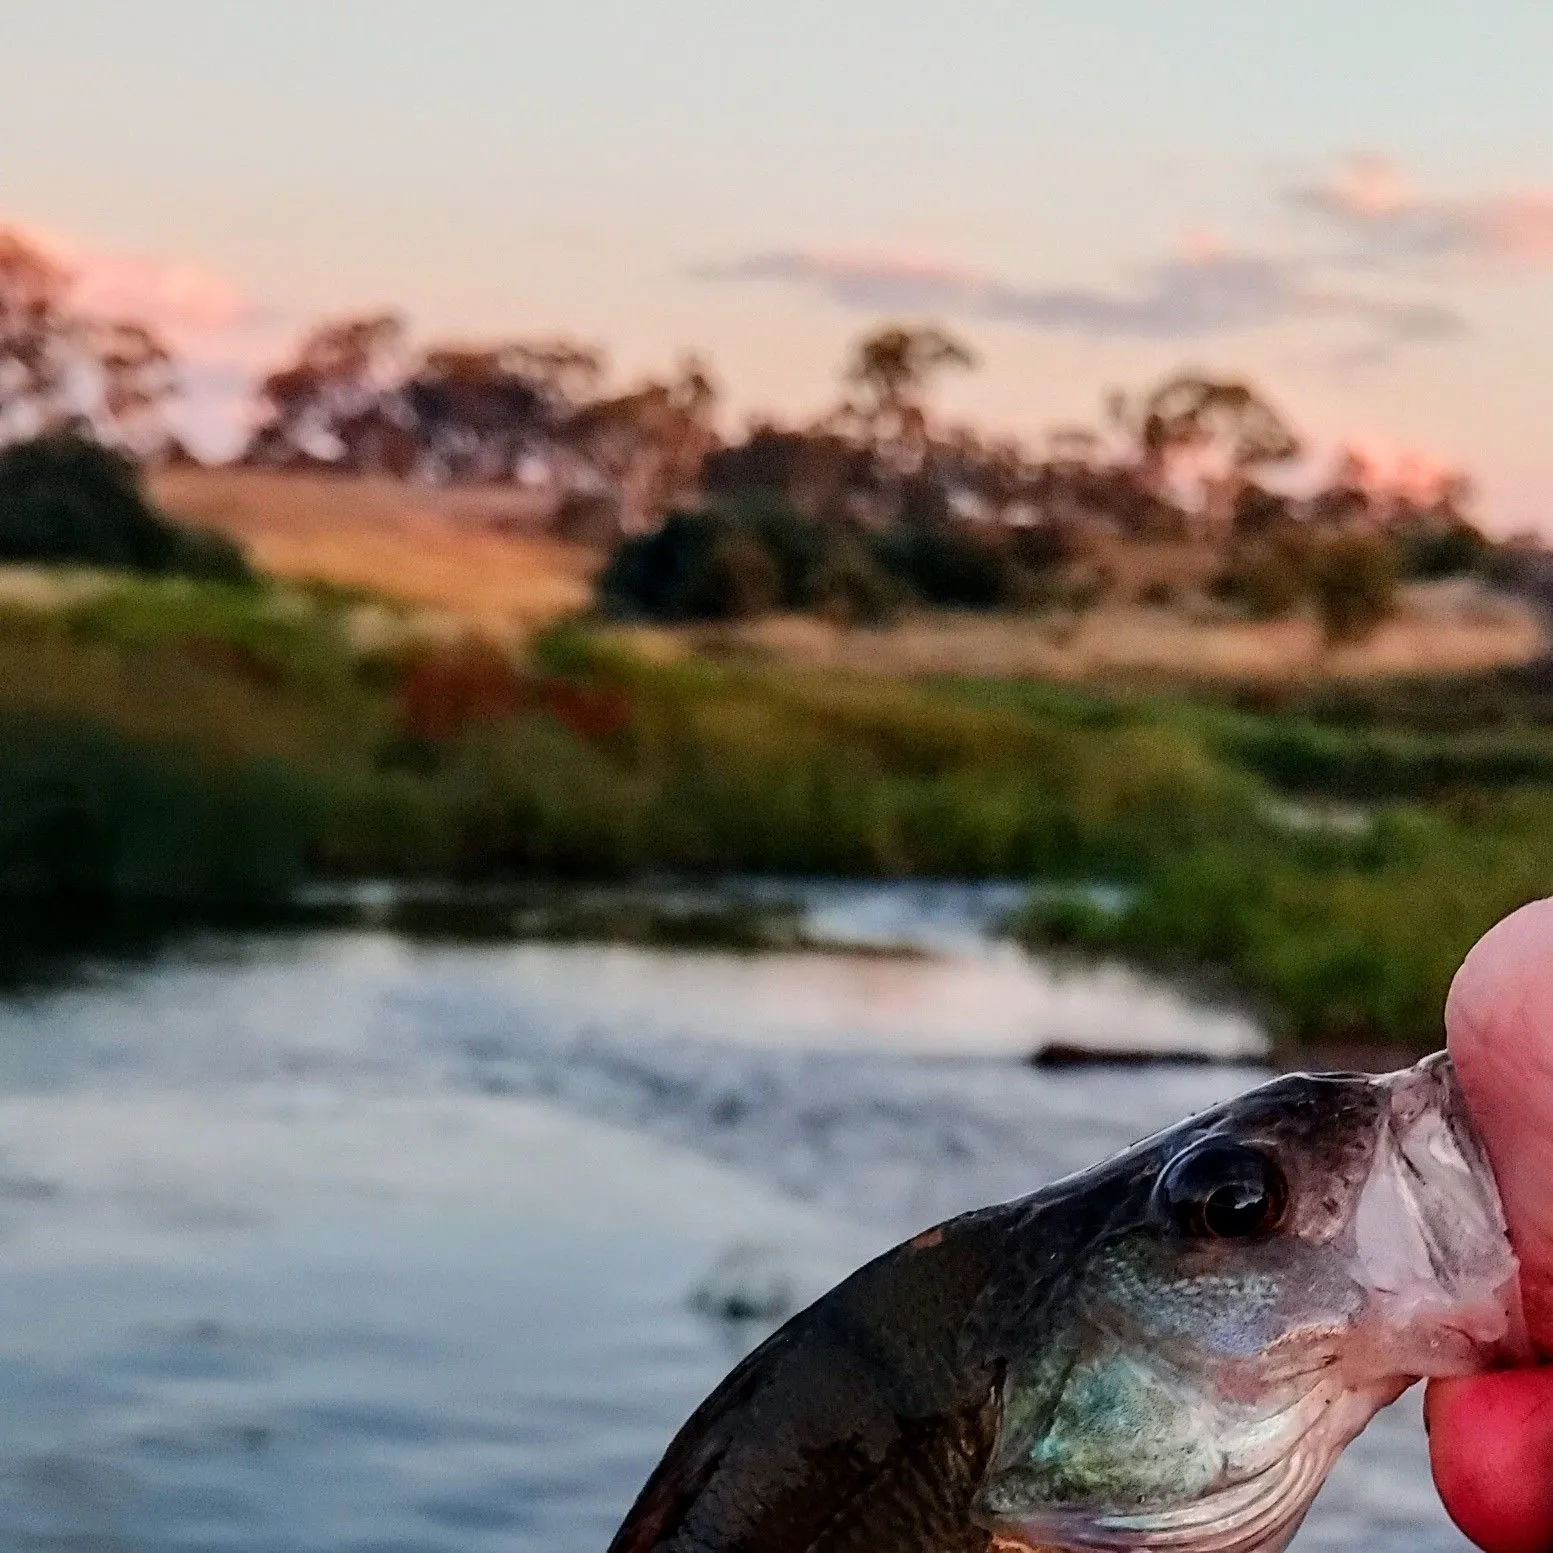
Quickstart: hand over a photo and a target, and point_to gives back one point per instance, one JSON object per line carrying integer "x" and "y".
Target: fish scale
{"x": 1166, "y": 1351}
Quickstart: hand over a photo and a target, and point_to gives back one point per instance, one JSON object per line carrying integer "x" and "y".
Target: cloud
{"x": 222, "y": 337}
{"x": 1387, "y": 220}
{"x": 862, "y": 279}
{"x": 1207, "y": 291}
{"x": 165, "y": 293}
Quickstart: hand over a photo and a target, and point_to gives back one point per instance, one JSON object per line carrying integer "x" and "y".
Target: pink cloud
{"x": 1386, "y": 470}
{"x": 166, "y": 293}
{"x": 223, "y": 339}
{"x": 1390, "y": 220}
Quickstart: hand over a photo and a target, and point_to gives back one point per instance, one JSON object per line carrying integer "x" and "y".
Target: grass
{"x": 697, "y": 766}
{"x": 1336, "y": 943}
{"x": 1405, "y": 746}
{"x": 477, "y": 555}
{"x": 1457, "y": 627}
{"x": 193, "y": 745}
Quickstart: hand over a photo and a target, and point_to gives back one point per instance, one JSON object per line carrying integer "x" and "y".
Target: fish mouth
{"x": 1429, "y": 1240}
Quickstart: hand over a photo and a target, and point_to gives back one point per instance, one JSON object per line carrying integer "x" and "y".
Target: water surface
{"x": 335, "y": 1241}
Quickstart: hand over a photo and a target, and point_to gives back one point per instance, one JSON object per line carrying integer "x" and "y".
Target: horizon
{"x": 1090, "y": 202}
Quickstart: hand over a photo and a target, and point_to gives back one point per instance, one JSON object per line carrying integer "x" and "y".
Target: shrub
{"x": 1354, "y": 580}
{"x": 744, "y": 557}
{"x": 754, "y": 551}
{"x": 65, "y": 499}
{"x": 90, "y": 815}
{"x": 1270, "y": 575}
{"x": 1432, "y": 550}
{"x": 948, "y": 564}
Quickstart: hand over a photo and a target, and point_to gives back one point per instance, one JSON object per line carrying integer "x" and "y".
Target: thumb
{"x": 1499, "y": 1023}
{"x": 1491, "y": 1436}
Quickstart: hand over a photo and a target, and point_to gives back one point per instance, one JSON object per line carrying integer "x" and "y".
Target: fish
{"x": 1168, "y": 1351}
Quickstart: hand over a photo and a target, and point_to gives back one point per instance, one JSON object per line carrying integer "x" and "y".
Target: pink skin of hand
{"x": 1491, "y": 1437}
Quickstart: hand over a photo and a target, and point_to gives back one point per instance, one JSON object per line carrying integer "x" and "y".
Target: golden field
{"x": 451, "y": 552}
{"x": 1439, "y": 628}
{"x": 476, "y": 555}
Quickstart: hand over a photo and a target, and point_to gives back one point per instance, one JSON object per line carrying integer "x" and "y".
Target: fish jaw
{"x": 1430, "y": 1246}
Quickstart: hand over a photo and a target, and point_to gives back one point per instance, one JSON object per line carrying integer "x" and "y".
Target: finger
{"x": 1491, "y": 1448}
{"x": 1499, "y": 1022}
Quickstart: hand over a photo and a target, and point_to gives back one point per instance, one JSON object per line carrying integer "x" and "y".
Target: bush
{"x": 1354, "y": 581}
{"x": 949, "y": 564}
{"x": 67, "y": 500}
{"x": 698, "y": 566}
{"x": 1429, "y": 551}
{"x": 703, "y": 565}
{"x": 851, "y": 589}
{"x": 744, "y": 557}
{"x": 1349, "y": 578}
{"x": 1269, "y": 576}
{"x": 86, "y": 814}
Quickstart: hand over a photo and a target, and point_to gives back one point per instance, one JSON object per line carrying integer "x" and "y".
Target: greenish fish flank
{"x": 1168, "y": 1351}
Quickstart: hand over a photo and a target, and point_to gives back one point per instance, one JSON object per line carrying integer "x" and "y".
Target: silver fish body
{"x": 1168, "y": 1351}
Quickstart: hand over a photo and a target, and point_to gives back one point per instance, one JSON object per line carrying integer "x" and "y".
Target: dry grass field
{"x": 462, "y": 553}
{"x": 475, "y": 555}
{"x": 1440, "y": 628}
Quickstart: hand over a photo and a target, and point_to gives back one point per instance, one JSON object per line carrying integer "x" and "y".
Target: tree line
{"x": 876, "y": 501}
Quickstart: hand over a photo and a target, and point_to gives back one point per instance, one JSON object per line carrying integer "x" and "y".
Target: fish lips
{"x": 1429, "y": 1242}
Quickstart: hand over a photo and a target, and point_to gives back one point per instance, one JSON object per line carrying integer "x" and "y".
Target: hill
{"x": 474, "y": 554}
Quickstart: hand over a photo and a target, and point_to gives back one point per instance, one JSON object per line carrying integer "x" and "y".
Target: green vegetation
{"x": 745, "y": 555}
{"x": 1335, "y": 940}
{"x": 1360, "y": 744}
{"x": 206, "y": 745}
{"x": 1349, "y": 579}
{"x": 308, "y": 756}
{"x": 66, "y": 500}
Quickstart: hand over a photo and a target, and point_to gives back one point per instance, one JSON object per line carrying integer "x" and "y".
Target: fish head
{"x": 1242, "y": 1294}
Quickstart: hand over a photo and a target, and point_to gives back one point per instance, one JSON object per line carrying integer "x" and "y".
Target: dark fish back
{"x": 862, "y": 1424}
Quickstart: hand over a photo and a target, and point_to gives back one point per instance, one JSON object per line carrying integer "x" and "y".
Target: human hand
{"x": 1491, "y": 1436}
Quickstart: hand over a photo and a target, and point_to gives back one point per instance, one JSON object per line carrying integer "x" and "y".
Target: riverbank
{"x": 212, "y": 747}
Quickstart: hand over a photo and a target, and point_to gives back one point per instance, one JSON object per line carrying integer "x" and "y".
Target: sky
{"x": 1350, "y": 204}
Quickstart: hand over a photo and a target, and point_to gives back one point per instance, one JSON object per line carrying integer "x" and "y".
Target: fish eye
{"x": 1224, "y": 1191}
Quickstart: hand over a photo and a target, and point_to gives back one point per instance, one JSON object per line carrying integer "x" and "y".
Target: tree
{"x": 1354, "y": 580}
{"x": 649, "y": 446}
{"x": 60, "y": 367}
{"x": 33, "y": 331}
{"x": 1224, "y": 425}
{"x": 138, "y": 378}
{"x": 1073, "y": 445}
{"x": 566, "y": 370}
{"x": 476, "y": 407}
{"x": 341, "y": 369}
{"x": 65, "y": 499}
{"x": 893, "y": 367}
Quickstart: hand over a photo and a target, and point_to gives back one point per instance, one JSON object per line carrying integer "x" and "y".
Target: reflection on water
{"x": 333, "y": 1241}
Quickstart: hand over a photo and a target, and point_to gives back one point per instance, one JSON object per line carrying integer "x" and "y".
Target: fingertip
{"x": 1499, "y": 1026}
{"x": 1491, "y": 1451}
{"x": 1500, "y": 982}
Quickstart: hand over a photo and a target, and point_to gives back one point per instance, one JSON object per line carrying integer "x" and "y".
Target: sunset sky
{"x": 1351, "y": 203}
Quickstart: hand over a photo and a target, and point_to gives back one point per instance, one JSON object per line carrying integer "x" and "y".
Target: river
{"x": 339, "y": 1240}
